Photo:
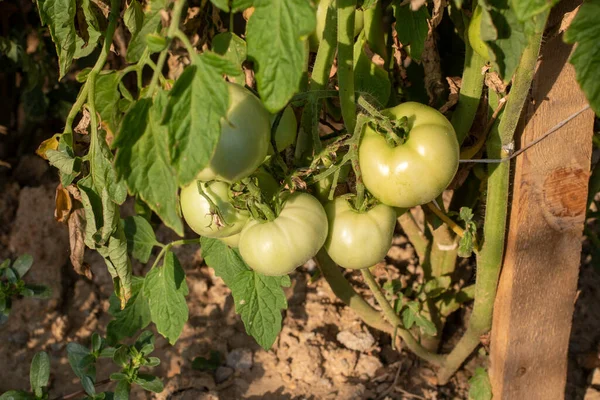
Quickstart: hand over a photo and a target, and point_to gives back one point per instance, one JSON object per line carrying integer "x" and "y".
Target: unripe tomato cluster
{"x": 398, "y": 175}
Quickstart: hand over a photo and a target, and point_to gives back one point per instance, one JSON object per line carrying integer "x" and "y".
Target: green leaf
{"x": 121, "y": 357}
{"x": 233, "y": 48}
{"x": 508, "y": 36}
{"x": 117, "y": 252}
{"x": 143, "y": 160}
{"x": 82, "y": 363}
{"x": 526, "y": 9}
{"x": 134, "y": 17}
{"x": 17, "y": 395}
{"x": 92, "y": 205}
{"x": 165, "y": 288}
{"x": 122, "y": 390}
{"x": 156, "y": 42}
{"x": 36, "y": 291}
{"x": 409, "y": 315}
{"x": 140, "y": 237}
{"x": 585, "y": 31}
{"x": 481, "y": 388}
{"x": 102, "y": 171}
{"x": 150, "y": 383}
{"x": 22, "y": 264}
{"x": 145, "y": 343}
{"x": 137, "y": 44}
{"x": 39, "y": 373}
{"x": 222, "y": 4}
{"x": 412, "y": 28}
{"x": 258, "y": 299}
{"x": 276, "y": 35}
{"x": 241, "y": 5}
{"x": 64, "y": 161}
{"x": 59, "y": 15}
{"x": 133, "y": 318}
{"x": 107, "y": 97}
{"x": 197, "y": 103}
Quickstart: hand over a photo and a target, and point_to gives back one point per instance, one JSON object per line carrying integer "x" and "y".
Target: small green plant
{"x": 12, "y": 285}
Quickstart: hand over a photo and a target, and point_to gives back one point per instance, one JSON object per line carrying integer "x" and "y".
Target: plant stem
{"x": 394, "y": 319}
{"x": 345, "y": 292}
{"x": 81, "y": 98}
{"x": 489, "y": 259}
{"x": 453, "y": 225}
{"x": 173, "y": 28}
{"x": 470, "y": 92}
{"x": 318, "y": 81}
{"x": 346, "y": 16}
{"x": 91, "y": 80}
{"x": 81, "y": 392}
{"x": 415, "y": 234}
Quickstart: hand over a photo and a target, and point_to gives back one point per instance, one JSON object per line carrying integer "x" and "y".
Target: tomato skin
{"x": 232, "y": 241}
{"x": 358, "y": 240}
{"x": 474, "y": 33}
{"x": 322, "y": 6}
{"x": 278, "y": 247}
{"x": 244, "y": 141}
{"x": 196, "y": 210}
{"x": 285, "y": 135}
{"x": 417, "y": 171}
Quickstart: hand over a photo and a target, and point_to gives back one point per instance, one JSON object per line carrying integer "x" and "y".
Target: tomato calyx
{"x": 395, "y": 132}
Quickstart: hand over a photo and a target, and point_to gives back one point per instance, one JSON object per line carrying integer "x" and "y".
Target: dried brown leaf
{"x": 493, "y": 81}
{"x": 454, "y": 83}
{"x": 64, "y": 204}
{"x": 77, "y": 244}
{"x": 5, "y": 164}
{"x": 84, "y": 123}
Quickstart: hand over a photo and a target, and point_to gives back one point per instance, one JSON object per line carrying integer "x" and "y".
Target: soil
{"x": 323, "y": 352}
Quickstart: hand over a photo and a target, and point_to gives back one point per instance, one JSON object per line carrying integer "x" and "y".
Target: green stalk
{"x": 489, "y": 259}
{"x": 91, "y": 80}
{"x": 319, "y": 79}
{"x": 470, "y": 92}
{"x": 346, "y": 13}
{"x": 173, "y": 28}
{"x": 394, "y": 319}
{"x": 374, "y": 34}
{"x": 345, "y": 292}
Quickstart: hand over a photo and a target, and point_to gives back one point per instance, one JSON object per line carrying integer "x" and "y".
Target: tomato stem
{"x": 470, "y": 90}
{"x": 346, "y": 16}
{"x": 173, "y": 28}
{"x": 213, "y": 207}
{"x": 394, "y": 319}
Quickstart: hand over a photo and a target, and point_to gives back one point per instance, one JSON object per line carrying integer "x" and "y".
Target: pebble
{"x": 240, "y": 359}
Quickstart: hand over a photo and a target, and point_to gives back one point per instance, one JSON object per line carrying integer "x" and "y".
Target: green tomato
{"x": 197, "y": 213}
{"x": 232, "y": 241}
{"x": 417, "y": 171}
{"x": 285, "y": 135}
{"x": 474, "y": 33}
{"x": 244, "y": 141}
{"x": 358, "y": 240}
{"x": 317, "y": 35}
{"x": 278, "y": 247}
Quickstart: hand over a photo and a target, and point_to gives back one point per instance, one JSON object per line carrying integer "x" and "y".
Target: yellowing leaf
{"x": 48, "y": 144}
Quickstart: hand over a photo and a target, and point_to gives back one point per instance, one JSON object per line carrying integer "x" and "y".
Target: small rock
{"x": 359, "y": 341}
{"x": 222, "y": 373}
{"x": 240, "y": 359}
{"x": 367, "y": 365}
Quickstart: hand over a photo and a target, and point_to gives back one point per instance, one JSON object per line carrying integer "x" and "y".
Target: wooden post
{"x": 536, "y": 294}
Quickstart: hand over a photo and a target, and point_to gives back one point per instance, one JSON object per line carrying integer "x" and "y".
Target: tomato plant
{"x": 419, "y": 169}
{"x": 181, "y": 122}
{"x": 244, "y": 140}
{"x": 356, "y": 239}
{"x": 278, "y": 247}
